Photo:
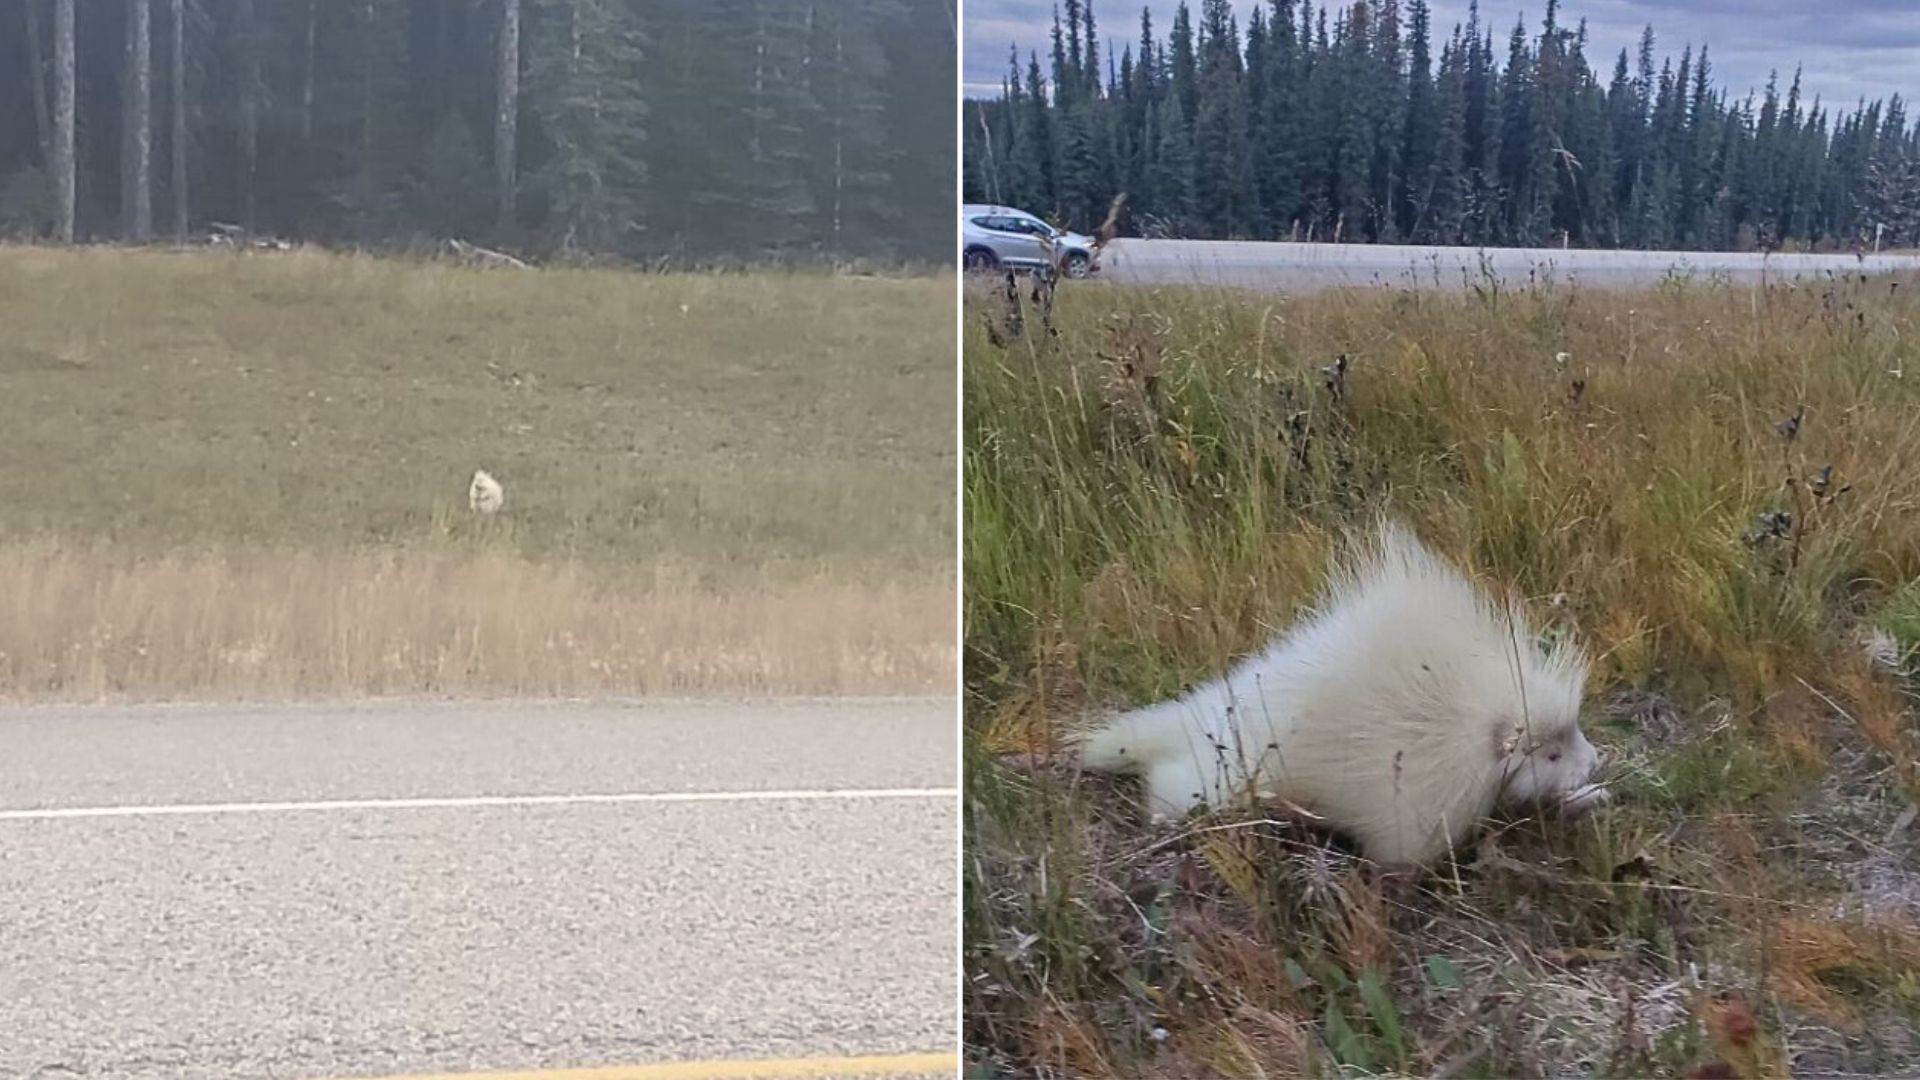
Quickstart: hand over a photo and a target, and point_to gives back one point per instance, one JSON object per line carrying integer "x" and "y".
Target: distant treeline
{"x": 698, "y": 130}
{"x": 1338, "y": 124}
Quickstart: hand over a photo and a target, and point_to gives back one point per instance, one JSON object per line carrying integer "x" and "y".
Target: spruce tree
{"x": 592, "y": 122}
{"x": 1442, "y": 214}
{"x": 1037, "y": 144}
{"x": 850, "y": 166}
{"x": 1420, "y": 137}
{"x": 1182, "y": 63}
{"x": 1170, "y": 176}
{"x": 1276, "y": 151}
{"x": 1223, "y": 182}
{"x": 1386, "y": 91}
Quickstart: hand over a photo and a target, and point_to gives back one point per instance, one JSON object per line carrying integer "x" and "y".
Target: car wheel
{"x": 980, "y": 260}
{"x": 1077, "y": 264}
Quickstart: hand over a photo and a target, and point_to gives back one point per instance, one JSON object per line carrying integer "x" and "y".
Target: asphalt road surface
{"x": 410, "y": 888}
{"x": 1306, "y": 267}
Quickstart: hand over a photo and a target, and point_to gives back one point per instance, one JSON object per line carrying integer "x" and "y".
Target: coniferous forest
{"x": 687, "y": 131}
{"x": 1367, "y": 123}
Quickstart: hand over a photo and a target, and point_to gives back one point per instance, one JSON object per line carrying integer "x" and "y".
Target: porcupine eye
{"x": 1555, "y": 756}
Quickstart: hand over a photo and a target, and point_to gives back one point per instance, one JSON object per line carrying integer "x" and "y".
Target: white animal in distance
{"x": 485, "y": 495}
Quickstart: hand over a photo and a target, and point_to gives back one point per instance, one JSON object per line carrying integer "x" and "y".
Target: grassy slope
{"x": 1156, "y": 489}
{"x": 713, "y": 482}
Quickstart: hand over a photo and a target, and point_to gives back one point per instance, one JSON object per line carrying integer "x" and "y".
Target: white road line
{"x": 475, "y": 801}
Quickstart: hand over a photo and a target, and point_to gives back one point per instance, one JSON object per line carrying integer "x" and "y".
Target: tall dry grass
{"x": 92, "y": 622}
{"x": 246, "y": 475}
{"x": 1152, "y": 488}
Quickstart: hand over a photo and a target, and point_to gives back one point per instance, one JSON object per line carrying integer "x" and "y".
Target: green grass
{"x": 734, "y": 419}
{"x": 772, "y": 444}
{"x": 1154, "y": 488}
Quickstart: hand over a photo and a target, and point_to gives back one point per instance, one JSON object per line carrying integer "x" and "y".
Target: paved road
{"x": 355, "y": 930}
{"x": 1305, "y": 267}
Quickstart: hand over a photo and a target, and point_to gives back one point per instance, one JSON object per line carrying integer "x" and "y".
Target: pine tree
{"x": 1222, "y": 179}
{"x": 851, "y": 168}
{"x": 1170, "y": 176}
{"x": 248, "y": 42}
{"x": 64, "y": 82}
{"x": 1518, "y": 151}
{"x": 1083, "y": 182}
{"x": 1420, "y": 137}
{"x": 1020, "y": 178}
{"x": 506, "y": 115}
{"x": 1349, "y": 77}
{"x": 37, "y": 84}
{"x": 1037, "y": 143}
{"x": 1889, "y": 200}
{"x": 364, "y": 121}
{"x": 1624, "y": 123}
{"x": 770, "y": 178}
{"x": 1348, "y": 128}
{"x": 1182, "y": 63}
{"x": 1065, "y": 69}
{"x": 1482, "y": 195}
{"x": 1386, "y": 116}
{"x": 378, "y": 132}
{"x": 1091, "y": 68}
{"x": 177, "y": 108}
{"x": 447, "y": 191}
{"x": 1276, "y": 151}
{"x": 590, "y": 172}
{"x": 1443, "y": 209}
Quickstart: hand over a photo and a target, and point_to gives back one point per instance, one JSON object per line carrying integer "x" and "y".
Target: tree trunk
{"x": 63, "y": 90}
{"x": 367, "y": 104}
{"x": 506, "y": 125}
{"x": 759, "y": 84}
{"x": 839, "y": 129}
{"x": 179, "y": 103}
{"x": 136, "y": 166}
{"x": 37, "y": 78}
{"x": 306, "y": 75}
{"x": 249, "y": 109}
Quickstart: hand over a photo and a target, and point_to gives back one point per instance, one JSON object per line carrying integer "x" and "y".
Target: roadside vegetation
{"x": 246, "y": 475}
{"x": 1713, "y": 486}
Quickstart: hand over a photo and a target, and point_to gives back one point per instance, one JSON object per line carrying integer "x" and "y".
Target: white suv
{"x": 995, "y": 236}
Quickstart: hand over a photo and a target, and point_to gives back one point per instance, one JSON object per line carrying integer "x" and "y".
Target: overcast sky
{"x": 1849, "y": 48}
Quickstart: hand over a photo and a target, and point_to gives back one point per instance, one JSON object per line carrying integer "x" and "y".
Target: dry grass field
{"x": 1153, "y": 488}
{"x": 246, "y": 475}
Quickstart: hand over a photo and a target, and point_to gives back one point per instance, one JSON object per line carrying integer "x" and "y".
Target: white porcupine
{"x": 1402, "y": 712}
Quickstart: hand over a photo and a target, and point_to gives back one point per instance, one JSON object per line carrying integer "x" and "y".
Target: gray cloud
{"x": 1848, "y": 49}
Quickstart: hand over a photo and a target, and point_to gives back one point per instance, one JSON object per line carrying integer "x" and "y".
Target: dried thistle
{"x": 993, "y": 331}
{"x": 1042, "y": 296}
{"x": 1016, "y": 319}
{"x": 1789, "y": 428}
{"x": 1335, "y": 376}
{"x": 1298, "y": 434}
{"x": 1770, "y": 525}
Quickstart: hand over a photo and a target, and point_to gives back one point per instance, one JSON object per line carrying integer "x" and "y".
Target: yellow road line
{"x": 744, "y": 1069}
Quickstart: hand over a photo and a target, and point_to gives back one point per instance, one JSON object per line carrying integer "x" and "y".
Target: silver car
{"x": 996, "y": 236}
